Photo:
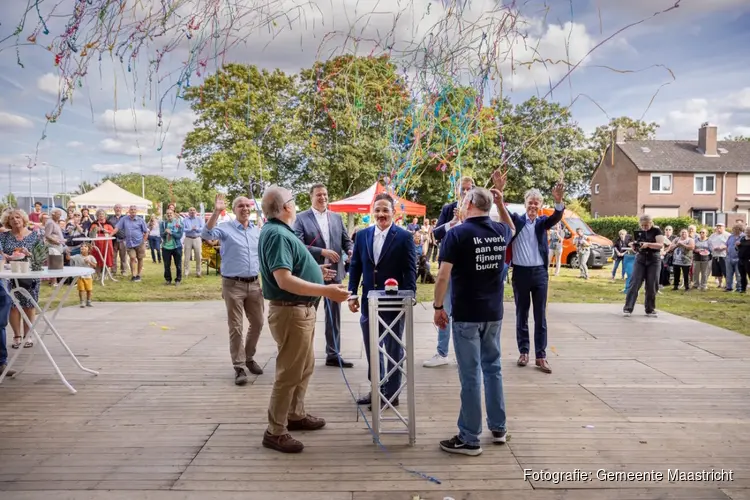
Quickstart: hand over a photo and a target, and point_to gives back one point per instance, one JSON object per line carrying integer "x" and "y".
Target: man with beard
{"x": 382, "y": 252}
{"x": 448, "y": 219}
{"x": 293, "y": 285}
{"x": 530, "y": 259}
{"x": 239, "y": 281}
{"x": 325, "y": 236}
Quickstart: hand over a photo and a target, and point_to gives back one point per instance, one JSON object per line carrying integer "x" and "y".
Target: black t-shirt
{"x": 476, "y": 248}
{"x": 648, "y": 237}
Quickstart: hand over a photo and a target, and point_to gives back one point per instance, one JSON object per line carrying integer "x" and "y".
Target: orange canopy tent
{"x": 361, "y": 203}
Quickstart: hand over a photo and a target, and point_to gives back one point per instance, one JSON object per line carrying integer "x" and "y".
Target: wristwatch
{"x": 437, "y": 308}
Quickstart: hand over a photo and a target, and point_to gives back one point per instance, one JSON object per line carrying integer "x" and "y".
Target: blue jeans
{"x": 618, "y": 261}
{"x": 732, "y": 269}
{"x": 444, "y": 334}
{"x": 628, "y": 261}
{"x": 154, "y": 243}
{"x": 477, "y": 348}
{"x": 5, "y": 305}
{"x": 530, "y": 286}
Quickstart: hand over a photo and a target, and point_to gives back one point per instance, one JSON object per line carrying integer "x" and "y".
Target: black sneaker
{"x": 455, "y": 445}
{"x": 499, "y": 437}
{"x": 240, "y": 377}
{"x": 137, "y": 279}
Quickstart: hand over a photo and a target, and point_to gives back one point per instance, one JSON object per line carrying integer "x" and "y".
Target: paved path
{"x": 164, "y": 420}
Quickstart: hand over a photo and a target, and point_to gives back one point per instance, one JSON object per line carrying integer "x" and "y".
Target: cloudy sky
{"x": 110, "y": 125}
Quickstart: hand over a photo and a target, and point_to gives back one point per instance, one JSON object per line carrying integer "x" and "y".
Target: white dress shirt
{"x": 377, "y": 242}
{"x": 526, "y": 246}
{"x": 322, "y": 220}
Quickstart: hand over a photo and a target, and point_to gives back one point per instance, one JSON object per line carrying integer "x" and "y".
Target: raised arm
{"x": 499, "y": 179}
{"x": 210, "y": 231}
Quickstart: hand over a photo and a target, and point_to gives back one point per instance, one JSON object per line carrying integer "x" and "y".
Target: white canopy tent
{"x": 107, "y": 195}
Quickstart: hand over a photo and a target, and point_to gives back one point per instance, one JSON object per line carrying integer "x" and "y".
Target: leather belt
{"x": 286, "y": 303}
{"x": 251, "y": 279}
{"x": 192, "y": 237}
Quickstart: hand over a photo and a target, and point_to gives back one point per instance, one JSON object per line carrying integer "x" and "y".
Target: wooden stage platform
{"x": 164, "y": 420}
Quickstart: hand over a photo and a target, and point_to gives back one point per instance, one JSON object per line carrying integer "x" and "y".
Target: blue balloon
{"x": 366, "y": 219}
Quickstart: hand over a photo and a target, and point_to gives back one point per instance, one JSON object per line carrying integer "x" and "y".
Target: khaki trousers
{"x": 243, "y": 299}
{"x": 293, "y": 329}
{"x": 120, "y": 250}
{"x": 193, "y": 246}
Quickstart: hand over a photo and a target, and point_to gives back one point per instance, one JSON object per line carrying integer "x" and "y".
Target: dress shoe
{"x": 340, "y": 362}
{"x": 365, "y": 400}
{"x": 309, "y": 423}
{"x": 394, "y": 403}
{"x": 284, "y": 443}
{"x": 523, "y": 360}
{"x": 543, "y": 365}
{"x": 10, "y": 372}
{"x": 254, "y": 367}
{"x": 240, "y": 377}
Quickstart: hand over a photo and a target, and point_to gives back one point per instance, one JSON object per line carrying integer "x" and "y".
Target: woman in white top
{"x": 154, "y": 239}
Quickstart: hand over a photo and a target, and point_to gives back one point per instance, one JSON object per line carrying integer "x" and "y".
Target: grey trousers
{"x": 645, "y": 268}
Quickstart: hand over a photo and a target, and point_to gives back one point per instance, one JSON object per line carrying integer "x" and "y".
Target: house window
{"x": 596, "y": 188}
{"x": 704, "y": 184}
{"x": 661, "y": 183}
{"x": 705, "y": 217}
{"x": 743, "y": 184}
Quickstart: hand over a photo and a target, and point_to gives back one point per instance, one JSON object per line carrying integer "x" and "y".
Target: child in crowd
{"x": 85, "y": 284}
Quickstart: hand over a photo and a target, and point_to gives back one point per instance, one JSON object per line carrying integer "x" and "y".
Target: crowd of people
{"x": 663, "y": 259}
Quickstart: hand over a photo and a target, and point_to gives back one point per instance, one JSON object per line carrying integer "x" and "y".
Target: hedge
{"x": 609, "y": 227}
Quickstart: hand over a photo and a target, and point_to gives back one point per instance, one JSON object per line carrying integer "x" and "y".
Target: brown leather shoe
{"x": 309, "y": 423}
{"x": 254, "y": 367}
{"x": 523, "y": 360}
{"x": 543, "y": 365}
{"x": 284, "y": 443}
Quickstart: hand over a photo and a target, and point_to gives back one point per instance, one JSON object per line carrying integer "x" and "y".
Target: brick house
{"x": 707, "y": 180}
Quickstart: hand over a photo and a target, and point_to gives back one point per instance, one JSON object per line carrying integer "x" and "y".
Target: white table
{"x": 105, "y": 270}
{"x": 43, "y": 313}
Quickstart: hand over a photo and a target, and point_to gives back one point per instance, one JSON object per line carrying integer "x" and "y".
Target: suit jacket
{"x": 308, "y": 231}
{"x": 446, "y": 215}
{"x": 543, "y": 224}
{"x": 397, "y": 260}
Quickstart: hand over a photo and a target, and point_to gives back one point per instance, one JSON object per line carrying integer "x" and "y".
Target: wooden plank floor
{"x": 164, "y": 420}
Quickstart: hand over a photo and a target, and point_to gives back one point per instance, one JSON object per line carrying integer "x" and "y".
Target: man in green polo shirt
{"x": 293, "y": 285}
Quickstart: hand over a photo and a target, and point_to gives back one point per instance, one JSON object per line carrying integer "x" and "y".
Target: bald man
{"x": 239, "y": 282}
{"x": 293, "y": 284}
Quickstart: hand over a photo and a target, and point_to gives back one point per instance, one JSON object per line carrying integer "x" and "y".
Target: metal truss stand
{"x": 401, "y": 304}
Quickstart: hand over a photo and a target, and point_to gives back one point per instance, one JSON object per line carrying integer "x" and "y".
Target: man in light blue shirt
{"x": 530, "y": 259}
{"x": 136, "y": 234}
{"x": 240, "y": 287}
{"x": 193, "y": 225}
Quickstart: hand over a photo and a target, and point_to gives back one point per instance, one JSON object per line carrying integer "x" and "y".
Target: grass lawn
{"x": 716, "y": 307}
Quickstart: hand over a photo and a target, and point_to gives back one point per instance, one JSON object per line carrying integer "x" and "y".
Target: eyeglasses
{"x": 290, "y": 200}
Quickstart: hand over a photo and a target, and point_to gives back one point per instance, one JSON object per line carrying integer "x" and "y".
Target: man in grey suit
{"x": 325, "y": 236}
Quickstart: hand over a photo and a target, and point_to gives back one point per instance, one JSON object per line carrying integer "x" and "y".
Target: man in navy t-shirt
{"x": 473, "y": 258}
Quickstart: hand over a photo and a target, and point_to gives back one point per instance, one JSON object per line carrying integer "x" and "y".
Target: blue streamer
{"x": 361, "y": 412}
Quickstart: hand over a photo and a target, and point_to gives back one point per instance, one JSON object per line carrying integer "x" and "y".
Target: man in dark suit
{"x": 381, "y": 252}
{"x": 530, "y": 270}
{"x": 448, "y": 218}
{"x": 325, "y": 236}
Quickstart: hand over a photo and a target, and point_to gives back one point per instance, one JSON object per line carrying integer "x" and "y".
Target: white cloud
{"x": 726, "y": 112}
{"x": 113, "y": 146}
{"x": 168, "y": 165}
{"x": 49, "y": 83}
{"x": 11, "y": 123}
{"x": 75, "y": 144}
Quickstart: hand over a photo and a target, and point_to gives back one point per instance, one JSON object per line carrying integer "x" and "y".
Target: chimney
{"x": 619, "y": 135}
{"x": 707, "y": 140}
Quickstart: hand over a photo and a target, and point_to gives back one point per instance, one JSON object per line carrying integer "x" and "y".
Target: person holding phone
{"x": 647, "y": 245}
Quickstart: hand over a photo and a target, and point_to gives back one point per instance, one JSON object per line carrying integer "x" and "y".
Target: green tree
{"x": 243, "y": 130}
{"x": 541, "y": 141}
{"x": 634, "y": 130}
{"x": 739, "y": 138}
{"x": 347, "y": 108}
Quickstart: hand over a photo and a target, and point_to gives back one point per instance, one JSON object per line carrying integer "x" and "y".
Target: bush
{"x": 609, "y": 227}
